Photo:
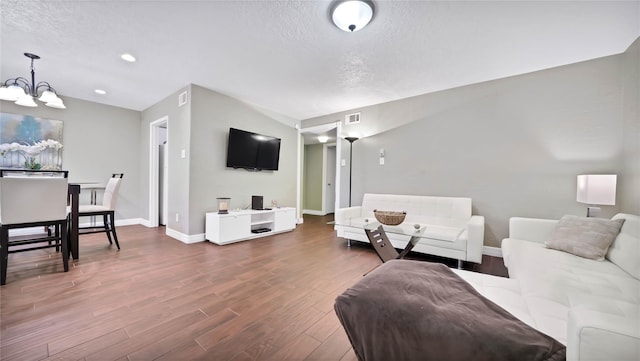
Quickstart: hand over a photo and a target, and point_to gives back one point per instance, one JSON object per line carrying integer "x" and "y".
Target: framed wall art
{"x": 29, "y": 142}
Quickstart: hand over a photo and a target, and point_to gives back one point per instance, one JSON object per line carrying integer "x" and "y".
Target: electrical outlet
{"x": 183, "y": 153}
{"x": 381, "y": 161}
{"x": 343, "y": 163}
{"x": 177, "y": 217}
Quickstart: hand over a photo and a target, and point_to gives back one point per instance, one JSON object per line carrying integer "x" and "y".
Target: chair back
{"x": 28, "y": 199}
{"x": 111, "y": 193}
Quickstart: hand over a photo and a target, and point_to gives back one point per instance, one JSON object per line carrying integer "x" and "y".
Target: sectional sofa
{"x": 591, "y": 306}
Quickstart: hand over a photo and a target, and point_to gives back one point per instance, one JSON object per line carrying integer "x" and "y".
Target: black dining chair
{"x": 106, "y": 210}
{"x": 32, "y": 199}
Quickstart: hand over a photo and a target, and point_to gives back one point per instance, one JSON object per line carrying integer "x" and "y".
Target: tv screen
{"x": 252, "y": 151}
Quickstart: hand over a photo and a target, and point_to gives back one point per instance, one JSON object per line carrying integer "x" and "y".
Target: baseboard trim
{"x": 492, "y": 251}
{"x": 185, "y": 238}
{"x": 145, "y": 222}
{"x": 313, "y": 212}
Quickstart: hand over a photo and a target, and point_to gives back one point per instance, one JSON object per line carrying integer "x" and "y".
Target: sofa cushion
{"x": 563, "y": 277}
{"x": 625, "y": 251}
{"x": 552, "y": 282}
{"x": 584, "y": 237}
{"x": 506, "y": 293}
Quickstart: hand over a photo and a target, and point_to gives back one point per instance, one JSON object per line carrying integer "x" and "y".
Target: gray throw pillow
{"x": 584, "y": 237}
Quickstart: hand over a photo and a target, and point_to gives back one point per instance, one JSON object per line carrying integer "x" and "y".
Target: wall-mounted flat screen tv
{"x": 252, "y": 151}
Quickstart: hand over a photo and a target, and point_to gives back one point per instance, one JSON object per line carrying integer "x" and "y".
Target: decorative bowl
{"x": 389, "y": 218}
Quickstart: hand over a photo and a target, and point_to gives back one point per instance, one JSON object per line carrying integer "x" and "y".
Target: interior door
{"x": 330, "y": 187}
{"x": 162, "y": 184}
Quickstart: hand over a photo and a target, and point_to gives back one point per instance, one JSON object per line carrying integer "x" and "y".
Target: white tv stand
{"x": 237, "y": 226}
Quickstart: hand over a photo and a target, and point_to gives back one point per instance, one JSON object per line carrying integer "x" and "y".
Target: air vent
{"x": 352, "y": 118}
{"x": 182, "y": 99}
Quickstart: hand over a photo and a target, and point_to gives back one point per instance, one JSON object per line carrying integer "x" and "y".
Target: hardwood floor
{"x": 159, "y": 299}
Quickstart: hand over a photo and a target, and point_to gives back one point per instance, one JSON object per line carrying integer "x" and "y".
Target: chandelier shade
{"x": 56, "y": 103}
{"x": 48, "y": 96}
{"x": 23, "y": 92}
{"x": 11, "y": 93}
{"x": 26, "y": 101}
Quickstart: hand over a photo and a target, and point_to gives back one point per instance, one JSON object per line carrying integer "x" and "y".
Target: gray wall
{"x": 98, "y": 140}
{"x": 178, "y": 129}
{"x": 201, "y": 128}
{"x": 212, "y": 114}
{"x": 630, "y": 182}
{"x": 312, "y": 179}
{"x": 514, "y": 145}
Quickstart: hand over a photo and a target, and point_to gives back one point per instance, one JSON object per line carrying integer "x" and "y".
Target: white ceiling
{"x": 288, "y": 58}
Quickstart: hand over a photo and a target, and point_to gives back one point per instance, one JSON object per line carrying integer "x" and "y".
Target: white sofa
{"x": 593, "y": 307}
{"x": 445, "y": 214}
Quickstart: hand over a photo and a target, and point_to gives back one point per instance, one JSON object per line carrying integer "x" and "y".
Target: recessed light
{"x": 128, "y": 57}
{"x": 100, "y": 91}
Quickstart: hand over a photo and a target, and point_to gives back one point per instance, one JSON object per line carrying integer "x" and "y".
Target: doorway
{"x": 158, "y": 172}
{"x": 319, "y": 189}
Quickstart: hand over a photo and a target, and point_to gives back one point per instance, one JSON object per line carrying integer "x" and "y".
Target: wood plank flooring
{"x": 159, "y": 299}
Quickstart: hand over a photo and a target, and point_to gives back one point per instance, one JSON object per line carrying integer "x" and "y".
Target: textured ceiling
{"x": 287, "y": 57}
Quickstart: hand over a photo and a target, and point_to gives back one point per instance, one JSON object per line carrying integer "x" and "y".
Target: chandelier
{"x": 22, "y": 92}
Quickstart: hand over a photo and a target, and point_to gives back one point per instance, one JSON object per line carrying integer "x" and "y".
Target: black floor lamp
{"x": 350, "y": 140}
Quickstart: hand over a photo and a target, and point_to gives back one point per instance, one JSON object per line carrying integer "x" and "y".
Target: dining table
{"x": 74, "y": 204}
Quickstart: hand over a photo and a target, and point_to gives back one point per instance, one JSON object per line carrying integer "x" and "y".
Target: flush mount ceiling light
{"x": 352, "y": 15}
{"x": 22, "y": 92}
{"x": 100, "y": 91}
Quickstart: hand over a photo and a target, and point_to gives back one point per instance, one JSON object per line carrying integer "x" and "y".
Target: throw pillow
{"x": 584, "y": 237}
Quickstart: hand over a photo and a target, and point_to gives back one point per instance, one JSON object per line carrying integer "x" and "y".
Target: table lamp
{"x": 596, "y": 189}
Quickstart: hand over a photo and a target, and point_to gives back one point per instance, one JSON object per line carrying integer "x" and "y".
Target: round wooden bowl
{"x": 389, "y": 218}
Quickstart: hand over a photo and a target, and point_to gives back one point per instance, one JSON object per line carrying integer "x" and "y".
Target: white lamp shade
{"x": 11, "y": 93}
{"x": 48, "y": 96}
{"x": 5, "y": 94}
{"x": 352, "y": 15}
{"x": 26, "y": 101}
{"x": 597, "y": 189}
{"x": 56, "y": 103}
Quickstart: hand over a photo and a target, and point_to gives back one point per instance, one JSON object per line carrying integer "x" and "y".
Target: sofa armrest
{"x": 475, "y": 238}
{"x": 531, "y": 229}
{"x": 595, "y": 335}
{"x": 343, "y": 214}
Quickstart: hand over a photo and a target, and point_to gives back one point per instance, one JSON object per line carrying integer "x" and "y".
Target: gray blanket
{"x": 410, "y": 310}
